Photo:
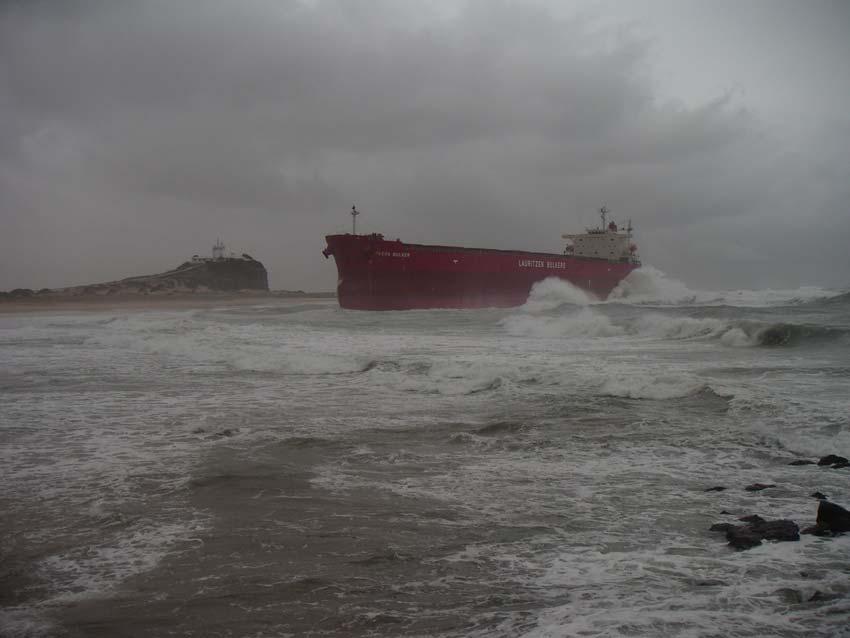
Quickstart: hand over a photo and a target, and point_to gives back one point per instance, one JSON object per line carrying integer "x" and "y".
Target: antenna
{"x": 354, "y": 214}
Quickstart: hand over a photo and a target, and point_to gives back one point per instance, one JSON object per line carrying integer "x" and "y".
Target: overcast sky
{"x": 135, "y": 133}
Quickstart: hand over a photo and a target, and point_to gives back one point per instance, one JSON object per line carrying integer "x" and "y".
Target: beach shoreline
{"x": 175, "y": 301}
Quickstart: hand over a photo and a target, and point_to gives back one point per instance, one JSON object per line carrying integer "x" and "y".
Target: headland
{"x": 199, "y": 282}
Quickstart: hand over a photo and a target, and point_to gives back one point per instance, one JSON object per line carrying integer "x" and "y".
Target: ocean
{"x": 295, "y": 469}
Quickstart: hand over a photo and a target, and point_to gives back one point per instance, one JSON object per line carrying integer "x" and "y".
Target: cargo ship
{"x": 381, "y": 274}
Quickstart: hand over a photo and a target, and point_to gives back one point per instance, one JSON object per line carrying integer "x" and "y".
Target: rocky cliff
{"x": 198, "y": 275}
{"x": 227, "y": 273}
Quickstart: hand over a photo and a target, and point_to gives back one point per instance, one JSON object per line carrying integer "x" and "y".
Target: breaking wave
{"x": 584, "y": 323}
{"x": 737, "y": 333}
{"x": 553, "y": 293}
{"x": 657, "y": 387}
{"x": 649, "y": 285}
{"x": 557, "y": 309}
{"x": 593, "y": 323}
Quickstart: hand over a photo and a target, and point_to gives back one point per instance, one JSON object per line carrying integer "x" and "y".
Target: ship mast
{"x": 603, "y": 213}
{"x": 354, "y": 214}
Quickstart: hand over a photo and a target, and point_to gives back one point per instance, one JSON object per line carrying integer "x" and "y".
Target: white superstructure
{"x": 605, "y": 242}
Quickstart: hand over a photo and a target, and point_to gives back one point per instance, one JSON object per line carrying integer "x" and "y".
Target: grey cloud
{"x": 493, "y": 123}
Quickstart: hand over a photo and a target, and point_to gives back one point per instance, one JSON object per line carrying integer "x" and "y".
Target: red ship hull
{"x": 376, "y": 274}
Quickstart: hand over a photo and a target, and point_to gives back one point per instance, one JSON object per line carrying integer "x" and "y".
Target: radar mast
{"x": 354, "y": 214}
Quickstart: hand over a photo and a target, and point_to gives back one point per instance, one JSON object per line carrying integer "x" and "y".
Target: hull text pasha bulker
{"x": 378, "y": 274}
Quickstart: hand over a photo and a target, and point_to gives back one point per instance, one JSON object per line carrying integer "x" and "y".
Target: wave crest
{"x": 584, "y": 323}
{"x": 552, "y": 293}
{"x": 659, "y": 387}
{"x": 649, "y": 285}
{"x": 737, "y": 333}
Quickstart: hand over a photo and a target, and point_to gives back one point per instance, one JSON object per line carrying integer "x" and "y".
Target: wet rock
{"x": 817, "y": 530}
{"x": 756, "y": 530}
{"x": 779, "y": 530}
{"x": 833, "y": 517}
{"x": 721, "y": 527}
{"x": 802, "y": 462}
{"x": 725, "y": 512}
{"x": 742, "y": 537}
{"x": 831, "y": 459}
{"x": 716, "y": 488}
{"x": 756, "y": 487}
{"x": 225, "y": 433}
{"x": 841, "y": 464}
{"x": 819, "y": 495}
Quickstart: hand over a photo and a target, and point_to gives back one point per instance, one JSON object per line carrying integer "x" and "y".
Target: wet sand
{"x": 285, "y": 557}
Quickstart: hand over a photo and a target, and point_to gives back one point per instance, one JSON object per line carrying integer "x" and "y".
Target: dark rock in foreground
{"x": 832, "y": 459}
{"x": 779, "y": 530}
{"x": 716, "y": 488}
{"x": 819, "y": 495}
{"x": 756, "y": 530}
{"x": 833, "y": 517}
{"x": 742, "y": 537}
{"x": 802, "y": 462}
{"x": 721, "y": 527}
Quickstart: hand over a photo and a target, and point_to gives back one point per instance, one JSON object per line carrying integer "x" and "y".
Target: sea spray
{"x": 552, "y": 293}
{"x": 651, "y": 285}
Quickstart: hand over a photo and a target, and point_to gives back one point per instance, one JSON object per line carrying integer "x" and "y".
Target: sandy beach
{"x": 176, "y": 301}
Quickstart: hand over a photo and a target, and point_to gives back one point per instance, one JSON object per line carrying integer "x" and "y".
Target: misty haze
{"x": 456, "y": 318}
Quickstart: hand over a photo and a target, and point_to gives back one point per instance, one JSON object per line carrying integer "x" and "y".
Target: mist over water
{"x": 298, "y": 469}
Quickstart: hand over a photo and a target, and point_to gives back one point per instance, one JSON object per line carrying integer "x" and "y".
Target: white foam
{"x": 618, "y": 476}
{"x": 93, "y": 570}
{"x": 666, "y": 327}
{"x": 736, "y": 337}
{"x": 649, "y": 285}
{"x": 459, "y": 377}
{"x": 552, "y": 293}
{"x": 653, "y": 592}
{"x": 584, "y": 323}
{"x": 649, "y": 386}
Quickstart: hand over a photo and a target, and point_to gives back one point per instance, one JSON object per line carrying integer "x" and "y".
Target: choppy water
{"x": 296, "y": 469}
